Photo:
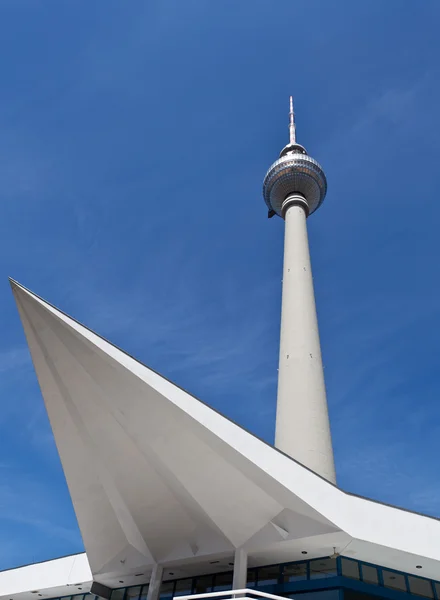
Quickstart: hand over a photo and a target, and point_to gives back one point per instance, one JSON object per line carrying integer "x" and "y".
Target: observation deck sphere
{"x": 295, "y": 172}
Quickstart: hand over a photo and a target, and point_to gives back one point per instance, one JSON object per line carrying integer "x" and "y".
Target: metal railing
{"x": 244, "y": 594}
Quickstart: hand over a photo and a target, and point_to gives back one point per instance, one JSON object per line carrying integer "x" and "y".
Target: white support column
{"x": 239, "y": 580}
{"x": 302, "y": 422}
{"x": 155, "y": 583}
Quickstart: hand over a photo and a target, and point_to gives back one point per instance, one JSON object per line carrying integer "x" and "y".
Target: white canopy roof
{"x": 155, "y": 475}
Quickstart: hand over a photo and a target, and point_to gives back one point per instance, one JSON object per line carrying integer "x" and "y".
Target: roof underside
{"x": 155, "y": 475}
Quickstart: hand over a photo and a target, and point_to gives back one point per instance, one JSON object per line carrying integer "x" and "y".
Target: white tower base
{"x": 302, "y": 422}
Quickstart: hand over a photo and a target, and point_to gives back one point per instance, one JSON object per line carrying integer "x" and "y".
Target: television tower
{"x": 294, "y": 187}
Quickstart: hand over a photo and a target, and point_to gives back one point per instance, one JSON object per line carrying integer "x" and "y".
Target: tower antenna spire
{"x": 292, "y": 123}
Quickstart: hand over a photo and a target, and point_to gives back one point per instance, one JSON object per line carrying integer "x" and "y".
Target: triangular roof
{"x": 156, "y": 475}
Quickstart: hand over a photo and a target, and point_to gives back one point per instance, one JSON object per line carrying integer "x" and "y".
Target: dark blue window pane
{"x": 133, "y": 593}
{"x": 420, "y": 587}
{"x": 369, "y": 574}
{"x": 395, "y": 581}
{"x": 223, "y": 581}
{"x": 352, "y": 595}
{"x": 144, "y": 592}
{"x": 268, "y": 575}
{"x": 204, "y": 584}
{"x": 323, "y": 568}
{"x": 350, "y": 568}
{"x": 166, "y": 590}
{"x": 326, "y": 595}
{"x": 295, "y": 572}
{"x": 118, "y": 594}
{"x": 251, "y": 578}
{"x": 183, "y": 587}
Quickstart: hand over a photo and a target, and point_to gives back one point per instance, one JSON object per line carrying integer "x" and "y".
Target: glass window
{"x": 323, "y": 567}
{"x": 437, "y": 589}
{"x": 420, "y": 587}
{"x": 325, "y": 595}
{"x": 118, "y": 594}
{"x": 295, "y": 572}
{"x": 268, "y": 575}
{"x": 353, "y": 595}
{"x": 203, "y": 584}
{"x": 144, "y": 592}
{"x": 251, "y": 578}
{"x": 350, "y": 568}
{"x": 369, "y": 574}
{"x": 223, "y": 581}
{"x": 183, "y": 587}
{"x": 133, "y": 593}
{"x": 396, "y": 581}
{"x": 166, "y": 590}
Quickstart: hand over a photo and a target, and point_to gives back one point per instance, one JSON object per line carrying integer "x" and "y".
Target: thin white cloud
{"x": 15, "y": 358}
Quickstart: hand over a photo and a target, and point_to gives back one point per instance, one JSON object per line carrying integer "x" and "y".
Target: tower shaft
{"x": 302, "y": 422}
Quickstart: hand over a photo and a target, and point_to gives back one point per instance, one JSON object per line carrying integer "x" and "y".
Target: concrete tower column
{"x": 294, "y": 187}
{"x": 302, "y": 422}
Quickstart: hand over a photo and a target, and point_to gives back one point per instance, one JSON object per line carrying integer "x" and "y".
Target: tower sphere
{"x": 296, "y": 174}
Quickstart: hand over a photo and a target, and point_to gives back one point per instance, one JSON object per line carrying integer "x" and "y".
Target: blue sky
{"x": 134, "y": 137}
